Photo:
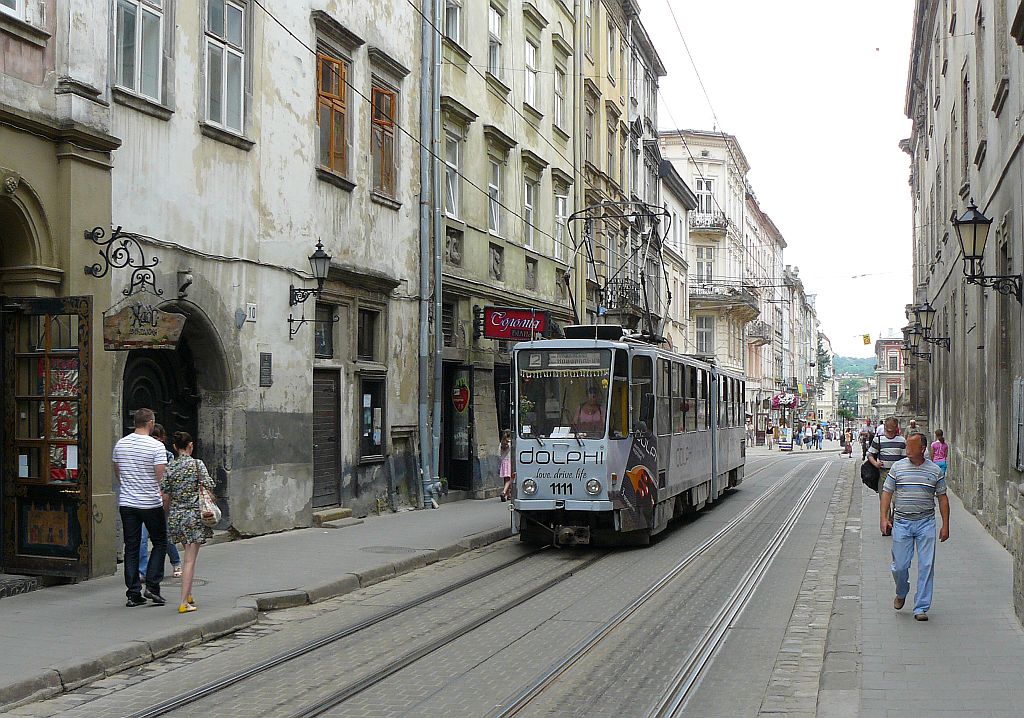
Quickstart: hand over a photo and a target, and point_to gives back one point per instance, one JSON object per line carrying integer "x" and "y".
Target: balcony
{"x": 708, "y": 222}
{"x": 624, "y": 302}
{"x": 730, "y": 296}
{"x": 759, "y": 333}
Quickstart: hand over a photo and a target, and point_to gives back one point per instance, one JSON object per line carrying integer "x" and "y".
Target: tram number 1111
{"x": 561, "y": 489}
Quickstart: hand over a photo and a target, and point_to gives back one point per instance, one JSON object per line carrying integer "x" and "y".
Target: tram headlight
{"x": 593, "y": 487}
{"x": 529, "y": 487}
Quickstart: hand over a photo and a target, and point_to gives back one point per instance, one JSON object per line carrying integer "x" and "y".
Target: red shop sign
{"x": 515, "y": 324}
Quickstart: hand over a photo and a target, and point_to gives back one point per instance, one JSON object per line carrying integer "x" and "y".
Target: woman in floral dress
{"x": 185, "y": 522}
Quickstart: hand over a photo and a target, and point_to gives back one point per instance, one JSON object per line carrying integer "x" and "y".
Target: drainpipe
{"x": 435, "y": 71}
{"x": 426, "y": 463}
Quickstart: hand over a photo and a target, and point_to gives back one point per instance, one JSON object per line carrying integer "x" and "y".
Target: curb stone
{"x": 76, "y": 674}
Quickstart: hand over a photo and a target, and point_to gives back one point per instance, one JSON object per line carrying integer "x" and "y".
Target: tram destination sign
{"x": 514, "y": 324}
{"x": 142, "y": 326}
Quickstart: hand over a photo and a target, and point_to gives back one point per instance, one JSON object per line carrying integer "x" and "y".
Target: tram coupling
{"x": 572, "y": 535}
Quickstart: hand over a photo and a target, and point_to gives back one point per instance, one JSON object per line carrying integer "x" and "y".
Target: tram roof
{"x": 625, "y": 343}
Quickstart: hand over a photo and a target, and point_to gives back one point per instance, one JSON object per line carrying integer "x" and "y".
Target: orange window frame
{"x": 383, "y": 103}
{"x": 334, "y": 100}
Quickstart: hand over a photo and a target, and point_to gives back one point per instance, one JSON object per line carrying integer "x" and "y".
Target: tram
{"x": 614, "y": 437}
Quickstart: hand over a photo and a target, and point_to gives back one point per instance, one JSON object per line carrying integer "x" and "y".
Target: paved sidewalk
{"x": 59, "y": 638}
{"x": 967, "y": 659}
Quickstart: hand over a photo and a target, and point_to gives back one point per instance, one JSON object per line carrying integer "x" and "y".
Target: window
{"x": 894, "y": 392}
{"x": 611, "y": 151}
{"x": 332, "y": 112}
{"x": 705, "y": 334}
{"x": 611, "y": 52}
{"x": 678, "y": 402}
{"x": 894, "y": 361}
{"x": 530, "y": 91}
{"x": 382, "y": 139}
{"x": 139, "y": 43}
{"x": 561, "y": 215}
{"x": 225, "y": 59}
{"x": 13, "y": 7}
{"x": 664, "y": 400}
{"x": 494, "y": 199}
{"x": 588, "y": 26}
{"x": 494, "y": 35}
{"x": 641, "y": 387}
{"x": 371, "y": 420}
{"x": 529, "y": 205}
{"x": 448, "y": 323}
{"x": 588, "y": 145}
{"x": 622, "y": 161}
{"x": 691, "y": 398}
{"x": 559, "y": 118}
{"x": 453, "y": 19}
{"x": 705, "y": 263}
{"x": 705, "y": 196}
{"x": 452, "y": 178}
{"x": 530, "y": 279}
{"x": 367, "y": 339}
{"x": 323, "y": 332}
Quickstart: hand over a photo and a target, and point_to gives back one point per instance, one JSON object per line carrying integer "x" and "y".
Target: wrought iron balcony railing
{"x": 708, "y": 220}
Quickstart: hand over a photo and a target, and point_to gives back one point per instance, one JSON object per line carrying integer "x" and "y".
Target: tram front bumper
{"x": 560, "y": 504}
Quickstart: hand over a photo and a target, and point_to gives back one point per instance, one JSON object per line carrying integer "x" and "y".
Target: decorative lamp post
{"x": 972, "y": 230}
{"x": 926, "y": 321}
{"x": 320, "y": 263}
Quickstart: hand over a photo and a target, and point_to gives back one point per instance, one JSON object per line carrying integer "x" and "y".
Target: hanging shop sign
{"x": 514, "y": 324}
{"x": 141, "y": 326}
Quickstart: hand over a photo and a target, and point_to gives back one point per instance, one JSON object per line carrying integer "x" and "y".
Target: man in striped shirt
{"x": 912, "y": 486}
{"x": 887, "y": 448}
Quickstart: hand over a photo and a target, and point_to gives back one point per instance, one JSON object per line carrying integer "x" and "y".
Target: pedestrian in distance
{"x": 911, "y": 489}
{"x": 819, "y": 437}
{"x": 940, "y": 451}
{"x": 172, "y": 551}
{"x": 181, "y": 485}
{"x": 866, "y": 435}
{"x": 848, "y": 448}
{"x": 505, "y": 465}
{"x": 139, "y": 465}
{"x": 808, "y": 436}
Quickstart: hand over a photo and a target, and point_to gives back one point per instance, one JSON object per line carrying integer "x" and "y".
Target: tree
{"x": 848, "y": 389}
{"x": 824, "y": 363}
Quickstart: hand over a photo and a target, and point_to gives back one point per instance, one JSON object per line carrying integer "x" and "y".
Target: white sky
{"x": 814, "y": 92}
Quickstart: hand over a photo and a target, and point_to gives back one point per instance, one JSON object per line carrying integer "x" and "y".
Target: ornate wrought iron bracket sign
{"x": 295, "y": 324}
{"x": 122, "y": 250}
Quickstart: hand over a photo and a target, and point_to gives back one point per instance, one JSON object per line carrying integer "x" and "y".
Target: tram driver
{"x": 590, "y": 416}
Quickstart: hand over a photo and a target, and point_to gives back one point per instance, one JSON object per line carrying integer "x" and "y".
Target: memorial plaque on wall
{"x": 142, "y": 326}
{"x": 266, "y": 366}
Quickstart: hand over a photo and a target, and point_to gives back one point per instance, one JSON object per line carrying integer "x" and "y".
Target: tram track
{"x": 518, "y": 702}
{"x": 211, "y": 688}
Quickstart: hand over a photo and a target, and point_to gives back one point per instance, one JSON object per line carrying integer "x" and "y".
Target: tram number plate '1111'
{"x": 561, "y": 489}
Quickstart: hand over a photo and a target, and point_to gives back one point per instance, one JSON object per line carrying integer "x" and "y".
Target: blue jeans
{"x": 942, "y": 465}
{"x": 172, "y": 552}
{"x": 907, "y": 536}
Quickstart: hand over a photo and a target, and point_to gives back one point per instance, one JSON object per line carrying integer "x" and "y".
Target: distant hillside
{"x": 861, "y": 366}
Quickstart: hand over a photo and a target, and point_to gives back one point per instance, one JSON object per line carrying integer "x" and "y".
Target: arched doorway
{"x": 163, "y": 380}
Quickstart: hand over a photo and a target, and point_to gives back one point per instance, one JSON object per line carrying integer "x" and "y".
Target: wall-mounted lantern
{"x": 972, "y": 230}
{"x": 925, "y": 314}
{"x": 320, "y": 263}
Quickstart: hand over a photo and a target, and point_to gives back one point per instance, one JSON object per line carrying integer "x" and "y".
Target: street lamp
{"x": 972, "y": 230}
{"x": 320, "y": 263}
{"x": 925, "y": 314}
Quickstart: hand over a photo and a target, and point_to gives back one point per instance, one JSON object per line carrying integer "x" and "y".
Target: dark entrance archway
{"x": 163, "y": 380}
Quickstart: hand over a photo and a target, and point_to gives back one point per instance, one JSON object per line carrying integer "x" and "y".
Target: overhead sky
{"x": 814, "y": 92}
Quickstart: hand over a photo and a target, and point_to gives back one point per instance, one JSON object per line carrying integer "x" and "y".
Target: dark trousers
{"x": 132, "y": 521}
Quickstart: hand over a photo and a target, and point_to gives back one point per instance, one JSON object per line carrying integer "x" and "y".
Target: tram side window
{"x": 691, "y": 398}
{"x": 730, "y": 402}
{"x": 723, "y": 412}
{"x": 664, "y": 391}
{"x": 642, "y": 385}
{"x": 703, "y": 400}
{"x": 618, "y": 426}
{"x": 678, "y": 402}
{"x": 743, "y": 403}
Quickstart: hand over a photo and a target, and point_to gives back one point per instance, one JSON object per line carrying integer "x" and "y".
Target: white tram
{"x": 614, "y": 437}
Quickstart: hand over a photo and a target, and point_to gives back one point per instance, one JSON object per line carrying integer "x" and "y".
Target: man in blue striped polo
{"x": 915, "y": 482}
{"x": 887, "y": 448}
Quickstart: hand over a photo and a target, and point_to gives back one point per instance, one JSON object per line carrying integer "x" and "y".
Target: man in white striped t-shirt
{"x": 912, "y": 486}
{"x": 139, "y": 463}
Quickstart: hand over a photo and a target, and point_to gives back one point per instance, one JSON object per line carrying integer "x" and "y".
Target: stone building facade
{"x": 57, "y": 505}
{"x": 678, "y": 200}
{"x": 889, "y": 376}
{"x": 965, "y": 100}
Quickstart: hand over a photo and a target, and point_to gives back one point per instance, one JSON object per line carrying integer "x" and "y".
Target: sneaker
{"x": 154, "y": 597}
{"x": 186, "y": 608}
{"x": 920, "y": 616}
{"x": 134, "y": 601}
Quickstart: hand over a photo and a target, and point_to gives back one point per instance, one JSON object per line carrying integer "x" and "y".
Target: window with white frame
{"x": 611, "y": 52}
{"x": 561, "y": 216}
{"x": 611, "y": 150}
{"x": 588, "y": 26}
{"x": 452, "y": 169}
{"x": 138, "y": 45}
{"x": 705, "y": 195}
{"x": 494, "y": 36}
{"x": 588, "y": 145}
{"x": 559, "y": 110}
{"x": 13, "y": 7}
{"x": 453, "y": 19}
{"x": 894, "y": 391}
{"x": 705, "y": 263}
{"x": 494, "y": 198}
{"x": 225, "y": 64}
{"x": 529, "y": 209}
{"x": 705, "y": 334}
{"x": 530, "y": 90}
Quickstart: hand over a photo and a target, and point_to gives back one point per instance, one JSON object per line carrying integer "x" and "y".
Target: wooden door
{"x": 46, "y": 469}
{"x": 326, "y": 439}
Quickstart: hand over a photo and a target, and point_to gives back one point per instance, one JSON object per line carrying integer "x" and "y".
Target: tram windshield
{"x": 563, "y": 393}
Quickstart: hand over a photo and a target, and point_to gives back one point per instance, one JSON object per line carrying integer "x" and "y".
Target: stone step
{"x": 322, "y": 516}
{"x": 13, "y": 584}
